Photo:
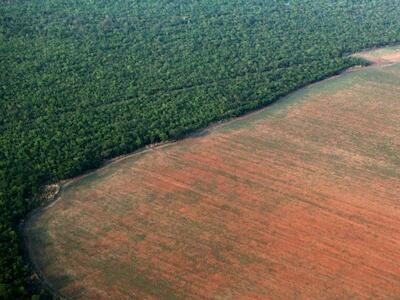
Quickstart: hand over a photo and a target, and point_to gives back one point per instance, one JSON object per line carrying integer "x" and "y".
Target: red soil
{"x": 382, "y": 56}
{"x": 299, "y": 203}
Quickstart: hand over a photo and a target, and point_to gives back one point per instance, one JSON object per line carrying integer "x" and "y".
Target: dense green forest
{"x": 82, "y": 81}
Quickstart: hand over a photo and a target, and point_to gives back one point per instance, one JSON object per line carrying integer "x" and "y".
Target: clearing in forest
{"x": 297, "y": 201}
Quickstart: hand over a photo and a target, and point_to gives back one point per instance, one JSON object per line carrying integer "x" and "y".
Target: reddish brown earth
{"x": 298, "y": 201}
{"x": 383, "y": 56}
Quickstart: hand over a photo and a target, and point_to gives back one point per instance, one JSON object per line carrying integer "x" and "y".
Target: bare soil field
{"x": 298, "y": 201}
{"x": 382, "y": 56}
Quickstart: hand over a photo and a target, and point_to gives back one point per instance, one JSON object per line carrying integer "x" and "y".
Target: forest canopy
{"x": 83, "y": 81}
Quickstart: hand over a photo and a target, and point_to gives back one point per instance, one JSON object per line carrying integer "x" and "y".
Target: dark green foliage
{"x": 82, "y": 81}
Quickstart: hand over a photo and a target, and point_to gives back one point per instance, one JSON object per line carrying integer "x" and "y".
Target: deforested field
{"x": 298, "y": 201}
{"x": 83, "y": 82}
